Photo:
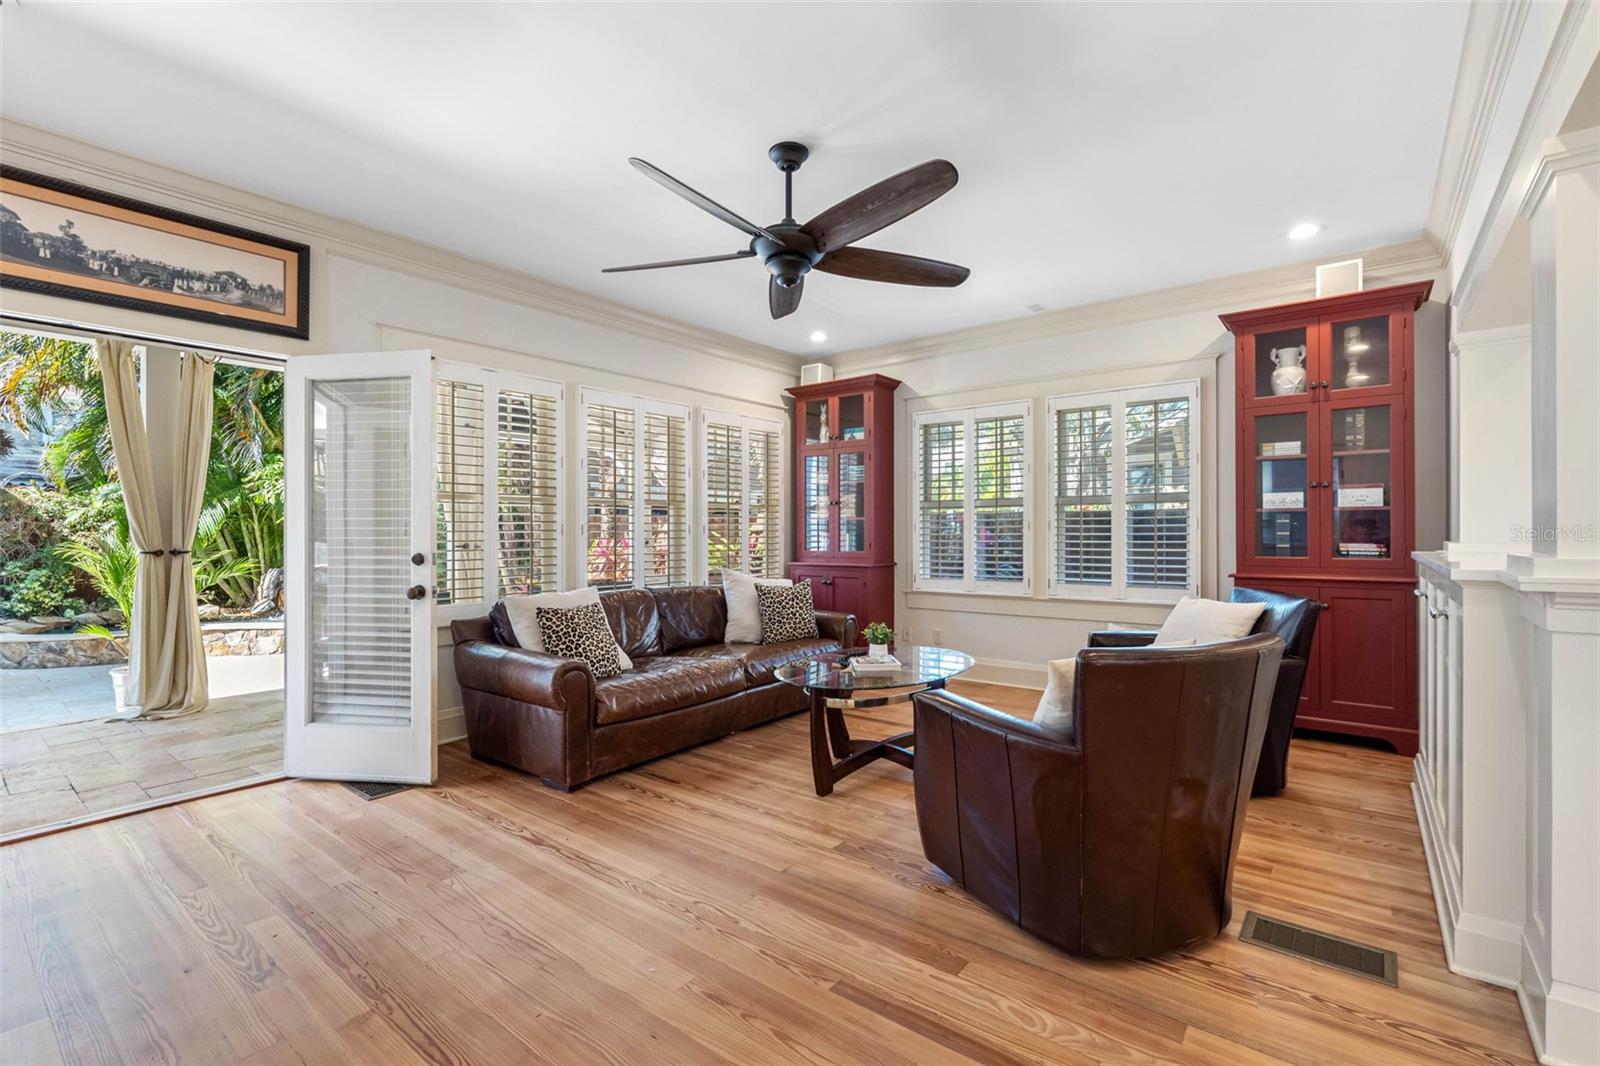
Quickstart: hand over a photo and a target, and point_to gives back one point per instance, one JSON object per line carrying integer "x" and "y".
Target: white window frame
{"x": 968, "y": 417}
{"x": 746, "y": 425}
{"x": 1118, "y": 400}
{"x": 641, "y": 406}
{"x": 494, "y": 381}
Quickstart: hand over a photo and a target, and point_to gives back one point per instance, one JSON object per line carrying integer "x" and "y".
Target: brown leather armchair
{"x": 1295, "y": 620}
{"x": 1116, "y": 837}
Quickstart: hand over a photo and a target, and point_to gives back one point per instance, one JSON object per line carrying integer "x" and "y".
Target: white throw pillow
{"x": 523, "y": 613}
{"x": 744, "y": 616}
{"x": 1055, "y": 706}
{"x": 1208, "y": 621}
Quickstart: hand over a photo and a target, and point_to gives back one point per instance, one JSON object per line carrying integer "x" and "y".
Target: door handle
{"x": 1417, "y": 593}
{"x": 417, "y": 558}
{"x": 416, "y": 592}
{"x": 1324, "y": 606}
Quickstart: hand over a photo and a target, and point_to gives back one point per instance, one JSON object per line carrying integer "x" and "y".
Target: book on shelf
{"x": 1377, "y": 551}
{"x": 1278, "y": 501}
{"x": 1281, "y": 447}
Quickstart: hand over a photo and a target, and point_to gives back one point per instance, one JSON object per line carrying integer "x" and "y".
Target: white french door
{"x": 359, "y": 484}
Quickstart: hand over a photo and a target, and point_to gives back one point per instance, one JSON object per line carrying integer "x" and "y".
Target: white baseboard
{"x": 1474, "y": 946}
{"x": 452, "y": 724}
{"x": 1563, "y": 1020}
{"x": 1006, "y": 672}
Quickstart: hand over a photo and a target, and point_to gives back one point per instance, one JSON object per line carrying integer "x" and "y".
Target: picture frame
{"x": 59, "y": 238}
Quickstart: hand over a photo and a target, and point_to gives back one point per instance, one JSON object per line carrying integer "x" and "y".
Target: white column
{"x": 1558, "y": 579}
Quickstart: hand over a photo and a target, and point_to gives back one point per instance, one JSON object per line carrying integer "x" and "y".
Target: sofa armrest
{"x": 525, "y": 676}
{"x": 1122, "y": 638}
{"x": 837, "y": 625}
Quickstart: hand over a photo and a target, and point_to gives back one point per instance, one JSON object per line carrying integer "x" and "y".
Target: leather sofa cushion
{"x": 760, "y": 660}
{"x": 633, "y": 618}
{"x": 691, "y": 616}
{"x": 663, "y": 683}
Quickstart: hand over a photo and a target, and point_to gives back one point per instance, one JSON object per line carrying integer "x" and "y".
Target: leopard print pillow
{"x": 787, "y": 612}
{"x": 580, "y": 633}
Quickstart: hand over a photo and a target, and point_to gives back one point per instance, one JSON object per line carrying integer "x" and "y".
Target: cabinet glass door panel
{"x": 852, "y": 418}
{"x": 817, "y": 501}
{"x": 1358, "y": 354}
{"x": 1361, "y": 484}
{"x": 852, "y": 502}
{"x": 1282, "y": 363}
{"x": 816, "y": 421}
{"x": 1282, "y": 528}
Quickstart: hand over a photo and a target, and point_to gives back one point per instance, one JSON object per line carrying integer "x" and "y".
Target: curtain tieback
{"x": 158, "y": 552}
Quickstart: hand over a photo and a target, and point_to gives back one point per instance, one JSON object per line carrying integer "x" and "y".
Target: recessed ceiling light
{"x": 818, "y": 336}
{"x": 1305, "y": 231}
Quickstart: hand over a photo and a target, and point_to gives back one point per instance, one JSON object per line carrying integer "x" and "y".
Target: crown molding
{"x": 1567, "y": 61}
{"x": 58, "y": 155}
{"x": 1262, "y": 288}
{"x": 1563, "y": 154}
{"x": 1487, "y": 55}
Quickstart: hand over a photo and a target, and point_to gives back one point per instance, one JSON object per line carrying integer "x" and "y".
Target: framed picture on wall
{"x": 62, "y": 239}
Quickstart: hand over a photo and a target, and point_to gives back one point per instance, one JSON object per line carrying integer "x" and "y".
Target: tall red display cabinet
{"x": 843, "y": 503}
{"x": 1325, "y": 494}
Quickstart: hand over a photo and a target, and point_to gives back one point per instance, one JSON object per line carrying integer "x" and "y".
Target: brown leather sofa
{"x": 1292, "y": 618}
{"x": 1117, "y": 837}
{"x": 550, "y": 717}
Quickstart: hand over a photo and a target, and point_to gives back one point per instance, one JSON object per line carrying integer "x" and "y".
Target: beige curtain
{"x": 166, "y": 658}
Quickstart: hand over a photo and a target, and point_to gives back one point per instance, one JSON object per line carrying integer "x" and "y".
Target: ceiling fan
{"x": 790, "y": 250}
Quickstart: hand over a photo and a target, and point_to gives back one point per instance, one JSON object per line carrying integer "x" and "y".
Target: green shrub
{"x": 38, "y": 584}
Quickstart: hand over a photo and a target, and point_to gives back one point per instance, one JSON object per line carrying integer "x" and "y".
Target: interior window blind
{"x": 1083, "y": 461}
{"x": 609, "y": 494}
{"x": 528, "y": 493}
{"x": 941, "y": 494}
{"x": 999, "y": 451}
{"x": 666, "y": 502}
{"x": 765, "y": 536}
{"x": 723, "y": 499}
{"x": 1156, "y": 493}
{"x": 459, "y": 520}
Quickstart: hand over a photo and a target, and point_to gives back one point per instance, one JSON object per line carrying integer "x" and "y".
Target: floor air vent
{"x": 1324, "y": 948}
{"x": 374, "y": 790}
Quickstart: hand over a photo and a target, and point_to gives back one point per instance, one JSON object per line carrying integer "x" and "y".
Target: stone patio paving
{"x": 60, "y": 758}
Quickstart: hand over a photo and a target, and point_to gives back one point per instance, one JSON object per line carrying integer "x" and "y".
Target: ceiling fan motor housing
{"x": 793, "y": 259}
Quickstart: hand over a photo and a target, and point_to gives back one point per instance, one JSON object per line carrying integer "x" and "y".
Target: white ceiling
{"x": 1104, "y": 150}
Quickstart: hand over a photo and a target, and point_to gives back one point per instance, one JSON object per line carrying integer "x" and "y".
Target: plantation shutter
{"x": 1156, "y": 435}
{"x": 999, "y": 451}
{"x": 459, "y": 547}
{"x": 1083, "y": 462}
{"x": 764, "y": 514}
{"x": 528, "y": 493}
{"x": 610, "y": 464}
{"x": 723, "y": 489}
{"x": 941, "y": 497}
{"x": 666, "y": 485}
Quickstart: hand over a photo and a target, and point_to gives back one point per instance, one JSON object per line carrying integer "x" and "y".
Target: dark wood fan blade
{"x": 880, "y": 205}
{"x": 869, "y": 264}
{"x": 702, "y": 201}
{"x": 745, "y": 254}
{"x": 783, "y": 301}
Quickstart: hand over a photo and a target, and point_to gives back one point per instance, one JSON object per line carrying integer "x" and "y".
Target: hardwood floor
{"x": 705, "y": 908}
{"x": 60, "y": 772}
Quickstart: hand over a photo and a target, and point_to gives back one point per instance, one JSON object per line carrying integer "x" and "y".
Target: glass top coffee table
{"x": 834, "y": 688}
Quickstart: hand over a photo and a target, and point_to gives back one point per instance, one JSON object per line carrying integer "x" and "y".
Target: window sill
{"x": 1018, "y": 605}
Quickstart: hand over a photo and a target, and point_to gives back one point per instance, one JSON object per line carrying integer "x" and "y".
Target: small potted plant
{"x": 878, "y": 637}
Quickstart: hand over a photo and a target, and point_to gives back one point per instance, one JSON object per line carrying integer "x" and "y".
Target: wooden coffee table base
{"x": 835, "y": 755}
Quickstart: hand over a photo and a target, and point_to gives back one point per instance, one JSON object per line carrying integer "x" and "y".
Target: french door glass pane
{"x": 1360, "y": 353}
{"x": 1362, "y": 487}
{"x": 1280, "y": 362}
{"x": 852, "y": 501}
{"x": 360, "y": 534}
{"x": 1282, "y": 491}
{"x": 816, "y": 502}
